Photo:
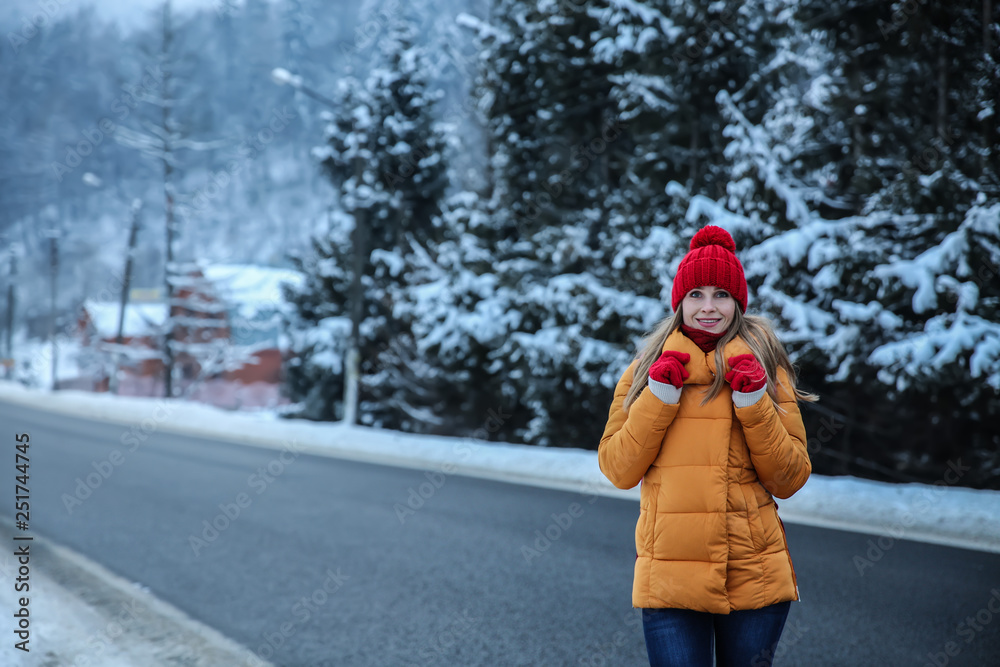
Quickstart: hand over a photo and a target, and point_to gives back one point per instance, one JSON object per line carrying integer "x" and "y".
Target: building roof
{"x": 141, "y": 319}
{"x": 248, "y": 290}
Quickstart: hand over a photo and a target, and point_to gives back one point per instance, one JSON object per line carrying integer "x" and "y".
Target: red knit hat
{"x": 711, "y": 261}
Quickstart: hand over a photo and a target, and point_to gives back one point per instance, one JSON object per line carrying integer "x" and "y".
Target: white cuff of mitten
{"x": 667, "y": 393}
{"x": 745, "y": 400}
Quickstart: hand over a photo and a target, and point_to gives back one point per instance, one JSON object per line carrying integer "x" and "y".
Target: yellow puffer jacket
{"x": 708, "y": 536}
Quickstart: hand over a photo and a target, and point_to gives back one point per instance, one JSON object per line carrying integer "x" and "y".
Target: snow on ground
{"x": 34, "y": 360}
{"x": 941, "y": 513}
{"x": 82, "y": 615}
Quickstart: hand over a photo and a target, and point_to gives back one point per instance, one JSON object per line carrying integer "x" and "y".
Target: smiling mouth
{"x": 710, "y": 323}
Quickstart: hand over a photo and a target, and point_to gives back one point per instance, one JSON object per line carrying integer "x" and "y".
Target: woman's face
{"x": 708, "y": 308}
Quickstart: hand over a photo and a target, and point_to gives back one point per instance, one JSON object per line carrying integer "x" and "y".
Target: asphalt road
{"x": 323, "y": 566}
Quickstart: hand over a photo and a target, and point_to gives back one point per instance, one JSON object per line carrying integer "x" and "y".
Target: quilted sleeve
{"x": 631, "y": 442}
{"x": 777, "y": 441}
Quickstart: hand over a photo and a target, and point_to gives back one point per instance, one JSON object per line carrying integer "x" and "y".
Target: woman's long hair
{"x": 755, "y": 330}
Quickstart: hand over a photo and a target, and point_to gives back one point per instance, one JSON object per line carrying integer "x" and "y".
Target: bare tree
{"x": 161, "y": 139}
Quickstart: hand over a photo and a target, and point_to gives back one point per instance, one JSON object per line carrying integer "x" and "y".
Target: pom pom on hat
{"x": 711, "y": 261}
{"x": 712, "y": 235}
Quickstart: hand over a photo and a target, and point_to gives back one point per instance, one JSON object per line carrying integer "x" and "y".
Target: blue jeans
{"x": 685, "y": 638}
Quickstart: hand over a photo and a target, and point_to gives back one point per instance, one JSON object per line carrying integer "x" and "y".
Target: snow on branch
{"x": 483, "y": 29}
{"x": 946, "y": 340}
{"x": 283, "y": 77}
{"x": 130, "y": 353}
{"x": 196, "y": 145}
{"x": 753, "y": 142}
{"x": 144, "y": 142}
{"x": 650, "y": 16}
{"x": 930, "y": 272}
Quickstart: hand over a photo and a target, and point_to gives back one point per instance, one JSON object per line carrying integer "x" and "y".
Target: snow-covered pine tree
{"x": 402, "y": 388}
{"x": 523, "y": 256}
{"x": 459, "y": 314}
{"x": 410, "y": 145}
{"x": 319, "y": 325}
{"x": 384, "y": 155}
{"x": 578, "y": 273}
{"x": 669, "y": 60}
{"x": 664, "y": 64}
{"x": 876, "y": 232}
{"x": 544, "y": 106}
{"x": 642, "y": 47}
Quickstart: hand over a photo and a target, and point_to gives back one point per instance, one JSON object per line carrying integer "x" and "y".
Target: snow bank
{"x": 942, "y": 514}
{"x": 83, "y": 614}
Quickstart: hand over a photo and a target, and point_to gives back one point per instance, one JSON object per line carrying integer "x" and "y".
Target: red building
{"x": 227, "y": 338}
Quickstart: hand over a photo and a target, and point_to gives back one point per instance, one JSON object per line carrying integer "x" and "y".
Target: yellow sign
{"x": 145, "y": 295}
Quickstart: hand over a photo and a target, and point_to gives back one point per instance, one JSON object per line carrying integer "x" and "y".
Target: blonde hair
{"x": 755, "y": 330}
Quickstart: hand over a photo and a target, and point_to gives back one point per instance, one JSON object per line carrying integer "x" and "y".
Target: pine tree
{"x": 319, "y": 325}
{"x": 402, "y": 390}
{"x": 870, "y": 224}
{"x": 516, "y": 303}
{"x": 384, "y": 156}
{"x": 669, "y": 62}
{"x": 456, "y": 313}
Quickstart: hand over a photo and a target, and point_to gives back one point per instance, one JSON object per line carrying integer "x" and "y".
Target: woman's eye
{"x": 721, "y": 295}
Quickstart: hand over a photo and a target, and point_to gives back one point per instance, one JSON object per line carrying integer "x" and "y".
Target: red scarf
{"x": 706, "y": 340}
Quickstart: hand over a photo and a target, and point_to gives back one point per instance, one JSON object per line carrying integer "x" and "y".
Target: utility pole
{"x": 126, "y": 286}
{"x": 9, "y": 352}
{"x": 54, "y": 282}
{"x": 352, "y": 363}
{"x": 352, "y": 374}
{"x": 168, "y": 195}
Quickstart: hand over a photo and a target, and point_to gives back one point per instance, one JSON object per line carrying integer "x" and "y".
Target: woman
{"x": 706, "y": 417}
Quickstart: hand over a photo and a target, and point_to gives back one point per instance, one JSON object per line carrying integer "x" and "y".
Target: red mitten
{"x": 747, "y": 375}
{"x": 669, "y": 368}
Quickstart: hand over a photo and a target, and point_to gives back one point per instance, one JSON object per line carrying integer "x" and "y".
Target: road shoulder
{"x": 83, "y": 615}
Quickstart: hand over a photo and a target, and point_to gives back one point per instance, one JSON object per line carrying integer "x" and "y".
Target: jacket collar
{"x": 701, "y": 367}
